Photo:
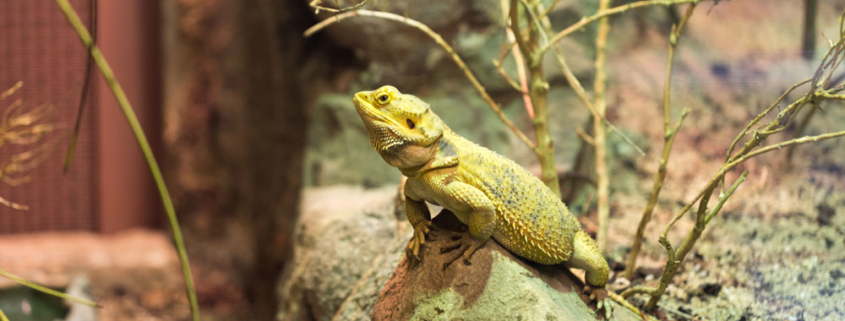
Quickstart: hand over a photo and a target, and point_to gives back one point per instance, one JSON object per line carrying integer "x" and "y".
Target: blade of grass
{"x": 126, "y": 107}
{"x": 89, "y": 68}
{"x": 49, "y": 291}
{"x": 3, "y": 316}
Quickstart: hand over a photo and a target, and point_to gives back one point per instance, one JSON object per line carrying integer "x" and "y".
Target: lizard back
{"x": 531, "y": 220}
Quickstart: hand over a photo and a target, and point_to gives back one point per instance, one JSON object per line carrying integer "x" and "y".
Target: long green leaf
{"x": 47, "y": 290}
{"x": 126, "y": 107}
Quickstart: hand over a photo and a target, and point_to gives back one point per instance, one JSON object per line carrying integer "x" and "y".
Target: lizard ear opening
{"x": 410, "y": 123}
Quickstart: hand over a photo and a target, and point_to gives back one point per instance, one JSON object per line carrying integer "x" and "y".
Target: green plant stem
{"x": 538, "y": 90}
{"x": 574, "y": 82}
{"x": 604, "y": 13}
{"x": 47, "y": 290}
{"x": 676, "y": 258}
{"x": 761, "y": 115}
{"x": 3, "y": 316}
{"x": 802, "y": 127}
{"x": 600, "y": 133}
{"x": 126, "y": 107}
{"x": 669, "y": 135}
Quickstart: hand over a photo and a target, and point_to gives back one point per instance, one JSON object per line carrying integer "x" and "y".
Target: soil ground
{"x": 134, "y": 275}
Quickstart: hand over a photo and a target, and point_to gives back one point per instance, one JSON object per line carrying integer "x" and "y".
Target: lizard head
{"x": 402, "y": 128}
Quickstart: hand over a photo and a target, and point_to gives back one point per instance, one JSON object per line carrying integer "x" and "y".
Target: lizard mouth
{"x": 367, "y": 111}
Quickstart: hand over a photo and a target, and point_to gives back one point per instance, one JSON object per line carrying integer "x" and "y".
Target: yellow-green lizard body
{"x": 493, "y": 195}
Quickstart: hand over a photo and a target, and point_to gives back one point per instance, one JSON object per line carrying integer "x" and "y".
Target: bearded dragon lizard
{"x": 491, "y": 194}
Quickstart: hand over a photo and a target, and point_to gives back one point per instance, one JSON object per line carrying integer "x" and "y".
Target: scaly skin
{"x": 491, "y": 194}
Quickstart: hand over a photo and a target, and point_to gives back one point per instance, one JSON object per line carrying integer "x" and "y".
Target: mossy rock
{"x": 496, "y": 286}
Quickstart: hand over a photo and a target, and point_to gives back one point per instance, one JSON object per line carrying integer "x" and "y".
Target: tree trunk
{"x": 235, "y": 130}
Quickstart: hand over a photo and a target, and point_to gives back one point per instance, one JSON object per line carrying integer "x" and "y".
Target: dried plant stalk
{"x": 24, "y": 127}
{"x": 599, "y": 133}
{"x": 669, "y": 134}
{"x": 818, "y": 92}
{"x": 439, "y": 40}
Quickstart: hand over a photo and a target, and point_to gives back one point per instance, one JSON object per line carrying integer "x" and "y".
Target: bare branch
{"x": 615, "y": 10}
{"x": 316, "y": 5}
{"x": 579, "y": 90}
{"x": 602, "y": 174}
{"x": 439, "y": 40}
{"x": 669, "y": 135}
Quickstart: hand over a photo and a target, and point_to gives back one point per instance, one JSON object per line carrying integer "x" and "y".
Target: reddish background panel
{"x": 40, "y": 49}
{"x": 128, "y": 37}
{"x": 108, "y": 187}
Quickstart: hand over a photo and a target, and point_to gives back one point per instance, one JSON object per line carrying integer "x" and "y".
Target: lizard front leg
{"x": 481, "y": 219}
{"x": 420, "y": 219}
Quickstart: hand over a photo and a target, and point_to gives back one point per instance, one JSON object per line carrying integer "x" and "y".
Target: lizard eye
{"x": 410, "y": 123}
{"x": 383, "y": 98}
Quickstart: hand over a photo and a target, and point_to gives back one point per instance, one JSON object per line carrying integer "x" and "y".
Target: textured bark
{"x": 235, "y": 129}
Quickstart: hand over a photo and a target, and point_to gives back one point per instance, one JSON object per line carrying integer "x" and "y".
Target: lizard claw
{"x": 420, "y": 231}
{"x": 462, "y": 245}
{"x": 599, "y": 295}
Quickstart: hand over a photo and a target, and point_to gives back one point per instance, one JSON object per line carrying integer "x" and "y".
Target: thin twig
{"x": 599, "y": 133}
{"x": 601, "y": 14}
{"x": 802, "y": 127}
{"x": 669, "y": 135}
{"x": 135, "y": 125}
{"x": 621, "y": 301}
{"x": 11, "y": 91}
{"x": 546, "y": 12}
{"x": 761, "y": 115}
{"x": 47, "y": 290}
{"x": 586, "y": 137}
{"x": 13, "y": 205}
{"x": 677, "y": 258}
{"x": 316, "y": 5}
{"x": 89, "y": 68}
{"x": 523, "y": 76}
{"x": 642, "y": 289}
{"x": 797, "y": 141}
{"x": 578, "y": 88}
{"x": 508, "y": 43}
{"x": 511, "y": 82}
{"x": 439, "y": 40}
{"x": 539, "y": 91}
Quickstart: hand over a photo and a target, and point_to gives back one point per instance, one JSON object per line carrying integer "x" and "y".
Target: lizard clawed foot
{"x": 463, "y": 245}
{"x": 420, "y": 231}
{"x": 599, "y": 295}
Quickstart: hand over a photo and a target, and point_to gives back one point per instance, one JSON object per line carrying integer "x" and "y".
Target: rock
{"x": 348, "y": 241}
{"x": 496, "y": 285}
{"x": 80, "y": 287}
{"x": 349, "y": 264}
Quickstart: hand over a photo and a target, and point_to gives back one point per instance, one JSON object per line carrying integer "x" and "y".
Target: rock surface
{"x": 349, "y": 265}
{"x": 496, "y": 285}
{"x": 347, "y": 243}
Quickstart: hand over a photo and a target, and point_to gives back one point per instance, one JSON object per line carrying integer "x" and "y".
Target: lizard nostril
{"x": 410, "y": 123}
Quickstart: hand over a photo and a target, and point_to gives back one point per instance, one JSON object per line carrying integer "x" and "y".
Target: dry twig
{"x": 439, "y": 40}
{"x": 615, "y": 10}
{"x": 818, "y": 92}
{"x": 669, "y": 134}
{"x": 599, "y": 133}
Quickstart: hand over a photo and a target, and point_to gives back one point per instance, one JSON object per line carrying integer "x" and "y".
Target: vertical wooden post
{"x": 128, "y": 35}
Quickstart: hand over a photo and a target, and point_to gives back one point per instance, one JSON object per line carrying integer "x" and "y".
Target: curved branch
{"x": 439, "y": 40}
{"x": 612, "y": 11}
